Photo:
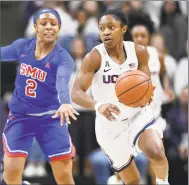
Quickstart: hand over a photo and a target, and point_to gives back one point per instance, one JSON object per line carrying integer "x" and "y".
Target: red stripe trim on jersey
{"x": 15, "y": 154}
{"x": 64, "y": 157}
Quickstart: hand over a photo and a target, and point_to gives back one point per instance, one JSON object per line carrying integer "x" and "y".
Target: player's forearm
{"x": 165, "y": 81}
{"x": 82, "y": 99}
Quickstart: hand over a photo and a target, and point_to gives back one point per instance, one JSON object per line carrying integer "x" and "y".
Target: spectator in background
{"x": 154, "y": 8}
{"x": 158, "y": 42}
{"x": 178, "y": 152}
{"x": 181, "y": 76}
{"x": 173, "y": 25}
{"x": 36, "y": 162}
{"x": 91, "y": 26}
{"x": 31, "y": 7}
{"x": 100, "y": 166}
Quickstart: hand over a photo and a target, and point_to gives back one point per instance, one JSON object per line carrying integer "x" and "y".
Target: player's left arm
{"x": 64, "y": 71}
{"x": 143, "y": 58}
{"x": 165, "y": 79}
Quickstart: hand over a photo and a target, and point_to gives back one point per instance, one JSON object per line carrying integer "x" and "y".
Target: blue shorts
{"x": 53, "y": 138}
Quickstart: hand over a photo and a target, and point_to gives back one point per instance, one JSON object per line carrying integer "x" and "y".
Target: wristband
{"x": 97, "y": 105}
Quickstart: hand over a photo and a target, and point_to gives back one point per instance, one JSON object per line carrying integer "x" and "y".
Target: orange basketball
{"x": 134, "y": 88}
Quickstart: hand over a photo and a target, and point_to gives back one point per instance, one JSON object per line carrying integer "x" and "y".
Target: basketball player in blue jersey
{"x": 121, "y": 131}
{"x": 40, "y": 106}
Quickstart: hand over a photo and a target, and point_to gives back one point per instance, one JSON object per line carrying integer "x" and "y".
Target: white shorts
{"x": 119, "y": 139}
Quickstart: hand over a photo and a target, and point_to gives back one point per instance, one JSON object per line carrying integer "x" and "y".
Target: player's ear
{"x": 59, "y": 26}
{"x": 35, "y": 27}
{"x": 124, "y": 29}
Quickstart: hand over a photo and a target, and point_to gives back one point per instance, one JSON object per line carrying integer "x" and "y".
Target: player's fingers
{"x": 112, "y": 117}
{"x": 62, "y": 119}
{"x": 75, "y": 112}
{"x": 115, "y": 108}
{"x": 72, "y": 115}
{"x": 56, "y": 114}
{"x": 114, "y": 111}
{"x": 67, "y": 117}
{"x": 108, "y": 118}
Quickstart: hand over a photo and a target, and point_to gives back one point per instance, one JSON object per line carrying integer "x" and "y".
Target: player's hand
{"x": 183, "y": 152}
{"x": 171, "y": 95}
{"x": 107, "y": 110}
{"x": 65, "y": 112}
{"x": 151, "y": 99}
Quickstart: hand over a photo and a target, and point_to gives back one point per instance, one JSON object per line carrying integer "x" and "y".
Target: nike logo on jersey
{"x": 106, "y": 70}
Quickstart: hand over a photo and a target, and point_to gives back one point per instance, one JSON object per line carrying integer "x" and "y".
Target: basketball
{"x": 134, "y": 88}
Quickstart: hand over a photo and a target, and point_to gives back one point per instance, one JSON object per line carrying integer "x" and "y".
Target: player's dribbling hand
{"x": 65, "y": 111}
{"x": 169, "y": 92}
{"x": 107, "y": 110}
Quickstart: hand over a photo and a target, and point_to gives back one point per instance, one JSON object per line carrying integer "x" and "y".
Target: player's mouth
{"x": 107, "y": 39}
{"x": 49, "y": 35}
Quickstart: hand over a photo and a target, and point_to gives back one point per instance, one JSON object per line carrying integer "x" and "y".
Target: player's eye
{"x": 53, "y": 23}
{"x": 101, "y": 28}
{"x": 43, "y": 23}
{"x": 112, "y": 27}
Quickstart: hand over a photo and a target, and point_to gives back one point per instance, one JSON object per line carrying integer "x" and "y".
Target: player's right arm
{"x": 11, "y": 52}
{"x": 90, "y": 65}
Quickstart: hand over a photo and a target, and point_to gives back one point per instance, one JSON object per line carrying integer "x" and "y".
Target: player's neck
{"x": 42, "y": 49}
{"x": 117, "y": 52}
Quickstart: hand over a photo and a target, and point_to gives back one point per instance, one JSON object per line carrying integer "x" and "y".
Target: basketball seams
{"x": 143, "y": 95}
{"x": 128, "y": 76}
{"x": 133, "y": 87}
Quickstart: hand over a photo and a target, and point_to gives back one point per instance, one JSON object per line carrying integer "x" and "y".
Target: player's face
{"x": 110, "y": 30}
{"x": 47, "y": 27}
{"x": 140, "y": 35}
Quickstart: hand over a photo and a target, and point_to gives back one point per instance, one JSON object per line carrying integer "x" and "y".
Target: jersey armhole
{"x": 95, "y": 48}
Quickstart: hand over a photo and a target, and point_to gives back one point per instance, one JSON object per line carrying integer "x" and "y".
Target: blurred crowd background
{"x": 79, "y": 33}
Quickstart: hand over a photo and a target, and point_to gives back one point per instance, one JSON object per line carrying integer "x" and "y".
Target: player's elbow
{"x": 74, "y": 95}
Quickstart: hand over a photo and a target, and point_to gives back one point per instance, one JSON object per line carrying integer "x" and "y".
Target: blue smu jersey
{"x": 38, "y": 86}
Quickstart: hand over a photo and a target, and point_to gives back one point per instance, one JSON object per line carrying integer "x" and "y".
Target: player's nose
{"x": 106, "y": 32}
{"x": 48, "y": 25}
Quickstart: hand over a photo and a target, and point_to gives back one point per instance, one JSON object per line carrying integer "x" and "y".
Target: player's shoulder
{"x": 94, "y": 55}
{"x": 92, "y": 60}
{"x": 141, "y": 51}
{"x": 22, "y": 41}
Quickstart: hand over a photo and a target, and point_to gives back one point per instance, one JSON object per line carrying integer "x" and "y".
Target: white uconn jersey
{"x": 103, "y": 83}
{"x": 154, "y": 67}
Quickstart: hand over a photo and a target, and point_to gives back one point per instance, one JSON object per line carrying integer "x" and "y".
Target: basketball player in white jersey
{"x": 121, "y": 131}
{"x": 142, "y": 27}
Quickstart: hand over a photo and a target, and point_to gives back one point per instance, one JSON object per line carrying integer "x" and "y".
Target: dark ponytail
{"x": 128, "y": 36}
{"x": 119, "y": 15}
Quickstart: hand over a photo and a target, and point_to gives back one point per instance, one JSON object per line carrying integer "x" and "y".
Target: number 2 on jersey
{"x": 30, "y": 88}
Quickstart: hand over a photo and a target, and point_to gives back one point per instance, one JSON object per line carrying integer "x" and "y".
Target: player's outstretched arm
{"x": 64, "y": 71}
{"x": 11, "y": 52}
{"x": 90, "y": 65}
